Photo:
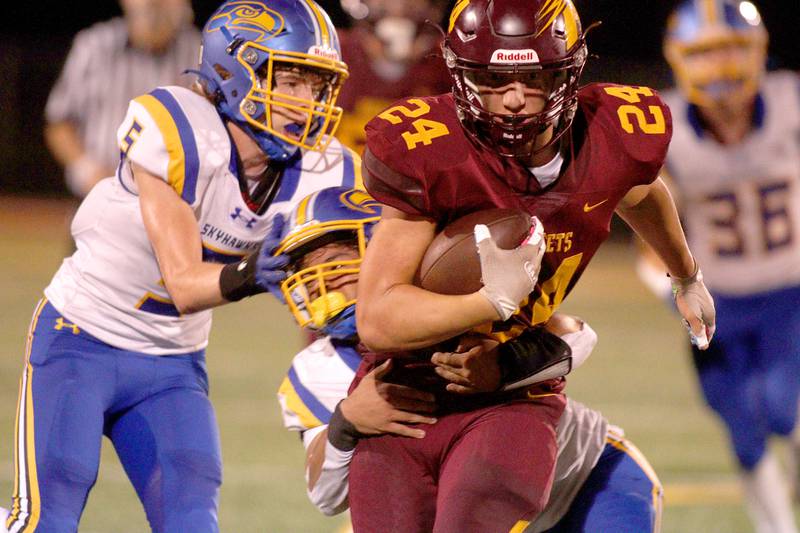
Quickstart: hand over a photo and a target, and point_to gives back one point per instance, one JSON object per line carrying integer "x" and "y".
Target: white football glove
{"x": 696, "y": 306}
{"x": 509, "y": 276}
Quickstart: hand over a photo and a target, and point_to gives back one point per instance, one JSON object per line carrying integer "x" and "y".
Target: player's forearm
{"x": 327, "y": 472}
{"x": 406, "y": 317}
{"x": 192, "y": 284}
{"x": 194, "y": 288}
{"x": 655, "y": 219}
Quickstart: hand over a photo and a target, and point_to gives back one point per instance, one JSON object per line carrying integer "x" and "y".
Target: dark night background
{"x": 35, "y": 38}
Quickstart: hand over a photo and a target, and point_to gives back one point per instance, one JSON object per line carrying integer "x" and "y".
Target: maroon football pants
{"x": 477, "y": 471}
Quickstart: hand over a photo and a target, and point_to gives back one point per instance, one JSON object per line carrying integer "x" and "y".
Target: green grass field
{"x": 639, "y": 377}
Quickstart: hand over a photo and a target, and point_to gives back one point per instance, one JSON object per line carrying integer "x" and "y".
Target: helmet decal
{"x": 510, "y": 57}
{"x": 457, "y": 9}
{"x": 550, "y": 10}
{"x": 572, "y": 24}
{"x": 251, "y": 17}
{"x": 359, "y": 200}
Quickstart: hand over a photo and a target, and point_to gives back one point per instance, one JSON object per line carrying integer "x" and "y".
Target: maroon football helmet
{"x": 494, "y": 42}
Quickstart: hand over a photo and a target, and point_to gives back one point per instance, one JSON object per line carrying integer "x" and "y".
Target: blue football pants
{"x": 622, "y": 494}
{"x": 155, "y": 409}
{"x": 750, "y": 374}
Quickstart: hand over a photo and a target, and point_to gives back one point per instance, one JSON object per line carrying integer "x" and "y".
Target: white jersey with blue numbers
{"x": 741, "y": 204}
{"x": 112, "y": 286}
{"x": 320, "y": 377}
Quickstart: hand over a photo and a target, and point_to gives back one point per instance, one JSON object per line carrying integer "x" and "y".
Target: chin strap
{"x": 343, "y": 326}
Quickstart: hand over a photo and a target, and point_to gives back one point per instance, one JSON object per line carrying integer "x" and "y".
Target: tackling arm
{"x": 327, "y": 470}
{"x": 392, "y": 313}
{"x": 173, "y": 233}
{"x": 373, "y": 408}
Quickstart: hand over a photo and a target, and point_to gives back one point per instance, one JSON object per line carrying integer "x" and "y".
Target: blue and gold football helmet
{"x": 336, "y": 214}
{"x": 245, "y": 42}
{"x": 717, "y": 49}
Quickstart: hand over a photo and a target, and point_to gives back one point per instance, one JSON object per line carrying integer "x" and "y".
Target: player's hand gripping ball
{"x": 496, "y": 251}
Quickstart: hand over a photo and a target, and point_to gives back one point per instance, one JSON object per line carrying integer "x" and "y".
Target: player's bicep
{"x": 170, "y": 224}
{"x": 637, "y": 194}
{"x": 395, "y": 251}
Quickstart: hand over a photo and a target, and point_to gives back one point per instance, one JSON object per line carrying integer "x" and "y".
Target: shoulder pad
{"x": 391, "y": 187}
{"x": 157, "y": 135}
{"x": 634, "y": 120}
{"x": 402, "y": 141}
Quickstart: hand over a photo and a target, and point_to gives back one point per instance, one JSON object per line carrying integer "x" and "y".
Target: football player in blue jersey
{"x": 734, "y": 168}
{"x": 117, "y": 345}
{"x": 602, "y": 482}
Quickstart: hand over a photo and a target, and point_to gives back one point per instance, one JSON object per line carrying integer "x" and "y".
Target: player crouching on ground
{"x": 602, "y": 483}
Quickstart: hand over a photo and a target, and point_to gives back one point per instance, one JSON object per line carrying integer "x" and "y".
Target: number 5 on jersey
{"x": 425, "y": 130}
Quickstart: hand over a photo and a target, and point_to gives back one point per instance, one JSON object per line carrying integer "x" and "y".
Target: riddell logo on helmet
{"x": 515, "y": 56}
{"x": 327, "y": 53}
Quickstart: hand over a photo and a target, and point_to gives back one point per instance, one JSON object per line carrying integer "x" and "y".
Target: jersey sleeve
{"x": 391, "y": 187}
{"x": 317, "y": 380}
{"x": 407, "y": 146}
{"x": 637, "y": 125}
{"x": 157, "y": 136}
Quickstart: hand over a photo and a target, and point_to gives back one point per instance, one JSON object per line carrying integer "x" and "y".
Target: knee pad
{"x": 781, "y": 413}
{"x": 187, "y": 497}
{"x": 749, "y": 449}
{"x": 67, "y": 481}
{"x": 194, "y": 471}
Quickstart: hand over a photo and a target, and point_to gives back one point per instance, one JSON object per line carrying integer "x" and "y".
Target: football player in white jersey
{"x": 117, "y": 346}
{"x": 602, "y": 482}
{"x": 734, "y": 169}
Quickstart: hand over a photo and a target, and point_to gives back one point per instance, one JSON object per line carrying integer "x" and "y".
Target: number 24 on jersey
{"x": 425, "y": 130}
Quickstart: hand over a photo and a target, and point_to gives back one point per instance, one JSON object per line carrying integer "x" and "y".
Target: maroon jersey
{"x": 421, "y": 161}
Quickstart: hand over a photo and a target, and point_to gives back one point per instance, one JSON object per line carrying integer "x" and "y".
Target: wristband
{"x": 342, "y": 434}
{"x": 536, "y": 355}
{"x": 238, "y": 280}
{"x": 677, "y": 282}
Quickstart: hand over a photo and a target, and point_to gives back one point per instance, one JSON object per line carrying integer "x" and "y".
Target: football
{"x": 451, "y": 264}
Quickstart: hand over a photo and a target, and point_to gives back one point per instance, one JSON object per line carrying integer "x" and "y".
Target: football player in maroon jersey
{"x": 516, "y": 132}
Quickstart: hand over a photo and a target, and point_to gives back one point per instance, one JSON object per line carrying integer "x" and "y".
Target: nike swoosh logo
{"x": 587, "y": 207}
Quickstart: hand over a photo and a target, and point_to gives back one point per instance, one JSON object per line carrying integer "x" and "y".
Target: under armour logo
{"x": 248, "y": 221}
{"x": 61, "y": 324}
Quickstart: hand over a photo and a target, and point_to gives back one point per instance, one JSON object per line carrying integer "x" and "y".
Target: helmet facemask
{"x": 517, "y": 133}
{"x": 721, "y": 66}
{"x": 292, "y": 96}
{"x": 312, "y": 291}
